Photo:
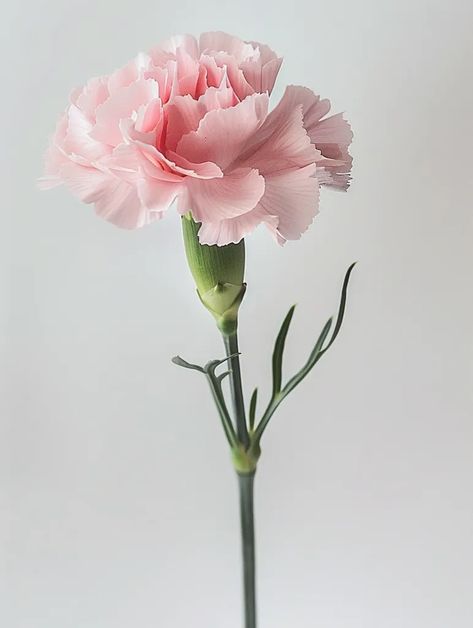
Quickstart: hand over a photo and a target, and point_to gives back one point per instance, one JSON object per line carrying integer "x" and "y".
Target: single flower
{"x": 190, "y": 121}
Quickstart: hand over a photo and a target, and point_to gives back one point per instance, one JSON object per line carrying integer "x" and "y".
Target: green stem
{"x": 246, "y": 484}
{"x": 231, "y": 347}
{"x": 245, "y": 481}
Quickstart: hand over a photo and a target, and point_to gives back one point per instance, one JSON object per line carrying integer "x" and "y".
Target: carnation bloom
{"x": 190, "y": 121}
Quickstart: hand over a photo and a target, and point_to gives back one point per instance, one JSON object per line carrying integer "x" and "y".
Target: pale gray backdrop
{"x": 118, "y": 502}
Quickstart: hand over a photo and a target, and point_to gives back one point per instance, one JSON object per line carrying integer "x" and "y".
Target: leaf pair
{"x": 279, "y": 392}
{"x": 215, "y": 383}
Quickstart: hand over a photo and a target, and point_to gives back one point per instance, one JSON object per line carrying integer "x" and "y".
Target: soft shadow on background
{"x": 118, "y": 502}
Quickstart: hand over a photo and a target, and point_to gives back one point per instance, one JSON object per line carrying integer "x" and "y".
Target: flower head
{"x": 190, "y": 121}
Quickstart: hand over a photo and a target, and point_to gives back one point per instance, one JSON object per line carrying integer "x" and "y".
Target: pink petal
{"x": 293, "y": 197}
{"x": 132, "y": 163}
{"x": 159, "y": 164}
{"x": 165, "y": 77}
{"x": 331, "y": 135}
{"x": 184, "y": 113}
{"x": 223, "y": 133}
{"x": 149, "y": 116}
{"x": 262, "y": 75}
{"x": 214, "y": 74}
{"x": 173, "y": 164}
{"x": 119, "y": 106}
{"x": 335, "y": 176}
{"x": 313, "y": 108}
{"x": 281, "y": 151}
{"x": 215, "y": 199}
{"x": 266, "y": 54}
{"x": 78, "y": 140}
{"x": 87, "y": 183}
{"x": 287, "y": 208}
{"x": 235, "y": 229}
{"x": 235, "y": 76}
{"x": 269, "y": 74}
{"x": 204, "y": 170}
{"x": 171, "y": 46}
{"x": 124, "y": 162}
{"x": 252, "y": 67}
{"x": 91, "y": 96}
{"x": 115, "y": 199}
{"x": 157, "y": 195}
{"x": 220, "y": 97}
{"x": 120, "y": 205}
{"x": 187, "y": 64}
{"x": 188, "y": 73}
{"x": 147, "y": 126}
{"x": 219, "y": 41}
{"x": 128, "y": 74}
{"x": 280, "y": 144}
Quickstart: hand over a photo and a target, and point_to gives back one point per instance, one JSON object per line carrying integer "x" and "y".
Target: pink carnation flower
{"x": 189, "y": 122}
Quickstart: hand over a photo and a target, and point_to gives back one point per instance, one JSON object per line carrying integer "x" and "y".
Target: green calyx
{"x": 218, "y": 272}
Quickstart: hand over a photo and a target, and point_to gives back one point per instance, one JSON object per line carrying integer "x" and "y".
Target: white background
{"x": 118, "y": 501}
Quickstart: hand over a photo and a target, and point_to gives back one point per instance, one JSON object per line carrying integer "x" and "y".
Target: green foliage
{"x": 245, "y": 457}
{"x": 279, "y": 351}
{"x": 252, "y": 414}
{"x": 215, "y": 383}
{"x": 280, "y": 392}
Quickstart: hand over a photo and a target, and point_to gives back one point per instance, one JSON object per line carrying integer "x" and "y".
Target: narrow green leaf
{"x": 212, "y": 365}
{"x": 215, "y": 383}
{"x": 187, "y": 365}
{"x": 279, "y": 351}
{"x": 316, "y": 354}
{"x": 254, "y": 399}
{"x": 341, "y": 309}
{"x": 296, "y": 379}
{"x": 313, "y": 359}
{"x": 223, "y": 376}
{"x": 223, "y": 413}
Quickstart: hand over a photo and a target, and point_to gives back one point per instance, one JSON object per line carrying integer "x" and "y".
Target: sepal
{"x": 223, "y": 302}
{"x": 218, "y": 273}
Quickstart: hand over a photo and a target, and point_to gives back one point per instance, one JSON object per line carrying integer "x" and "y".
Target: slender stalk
{"x": 246, "y": 484}
{"x": 231, "y": 347}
